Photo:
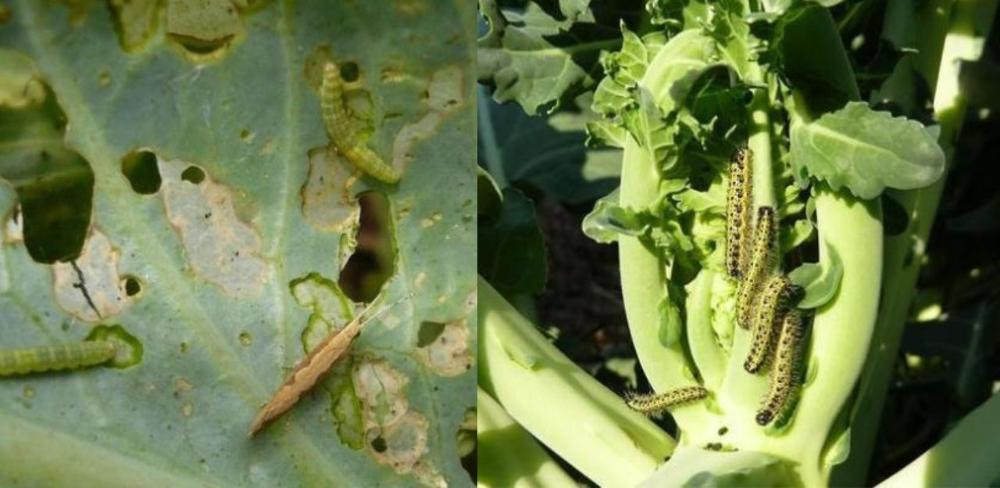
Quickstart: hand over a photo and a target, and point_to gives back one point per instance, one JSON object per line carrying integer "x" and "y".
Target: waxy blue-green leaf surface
{"x": 867, "y": 151}
{"x": 220, "y": 331}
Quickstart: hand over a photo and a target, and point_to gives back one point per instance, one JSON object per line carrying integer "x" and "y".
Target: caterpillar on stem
{"x": 55, "y": 358}
{"x": 762, "y": 257}
{"x": 342, "y": 133}
{"x": 783, "y": 375}
{"x": 772, "y": 302}
{"x": 654, "y": 403}
{"x": 738, "y": 208}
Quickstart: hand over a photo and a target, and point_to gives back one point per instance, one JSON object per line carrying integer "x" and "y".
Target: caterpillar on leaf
{"x": 55, "y": 358}
{"x": 342, "y": 133}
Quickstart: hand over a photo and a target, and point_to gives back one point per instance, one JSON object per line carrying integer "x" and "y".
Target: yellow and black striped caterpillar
{"x": 654, "y": 403}
{"x": 784, "y": 372}
{"x": 343, "y": 135}
{"x": 769, "y": 309}
{"x": 55, "y": 358}
{"x": 762, "y": 258}
{"x": 738, "y": 212}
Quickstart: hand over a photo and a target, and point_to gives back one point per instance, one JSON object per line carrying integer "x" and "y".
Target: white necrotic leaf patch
{"x": 89, "y": 287}
{"x": 220, "y": 248}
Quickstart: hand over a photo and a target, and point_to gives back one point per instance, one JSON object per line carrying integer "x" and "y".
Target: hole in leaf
{"x": 466, "y": 438}
{"x": 429, "y": 332}
{"x": 193, "y": 174}
{"x": 201, "y": 47}
{"x": 378, "y": 444}
{"x": 132, "y": 286}
{"x": 54, "y": 185}
{"x": 349, "y": 71}
{"x": 142, "y": 173}
{"x": 374, "y": 259}
{"x": 203, "y": 29}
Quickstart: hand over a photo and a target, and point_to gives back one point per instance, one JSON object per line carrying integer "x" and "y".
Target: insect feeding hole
{"x": 350, "y": 71}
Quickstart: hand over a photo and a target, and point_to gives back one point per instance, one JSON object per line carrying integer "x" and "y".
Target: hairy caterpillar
{"x": 785, "y": 363}
{"x": 738, "y": 206}
{"x": 654, "y": 403}
{"x": 772, "y": 302}
{"x": 761, "y": 261}
{"x": 54, "y": 358}
{"x": 342, "y": 133}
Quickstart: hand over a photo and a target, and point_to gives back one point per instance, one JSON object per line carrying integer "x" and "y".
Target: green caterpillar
{"x": 653, "y": 403}
{"x": 773, "y": 300}
{"x": 738, "y": 205}
{"x": 342, "y": 133}
{"x": 783, "y": 375}
{"x": 55, "y": 358}
{"x": 761, "y": 261}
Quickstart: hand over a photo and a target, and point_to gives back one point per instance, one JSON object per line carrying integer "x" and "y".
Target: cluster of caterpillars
{"x": 765, "y": 297}
{"x": 765, "y": 300}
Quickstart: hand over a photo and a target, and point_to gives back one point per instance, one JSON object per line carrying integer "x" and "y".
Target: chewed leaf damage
{"x": 444, "y": 95}
{"x": 395, "y": 434}
{"x": 89, "y": 287}
{"x": 220, "y": 248}
{"x": 327, "y": 202}
{"x": 447, "y": 353}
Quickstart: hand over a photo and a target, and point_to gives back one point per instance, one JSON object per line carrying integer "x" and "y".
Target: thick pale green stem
{"x": 644, "y": 276}
{"x": 760, "y": 143}
{"x": 904, "y": 253}
{"x": 741, "y": 391}
{"x": 508, "y": 456}
{"x": 842, "y": 329}
{"x": 705, "y": 350}
{"x": 963, "y": 458}
{"x": 559, "y": 403}
{"x": 644, "y": 273}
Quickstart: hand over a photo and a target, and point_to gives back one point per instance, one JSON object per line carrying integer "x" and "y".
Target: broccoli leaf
{"x": 608, "y": 219}
{"x": 511, "y": 246}
{"x": 867, "y": 151}
{"x": 545, "y": 153}
{"x": 541, "y": 55}
{"x": 820, "y": 280}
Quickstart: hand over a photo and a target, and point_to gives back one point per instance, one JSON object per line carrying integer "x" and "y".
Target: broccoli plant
{"x": 774, "y": 199}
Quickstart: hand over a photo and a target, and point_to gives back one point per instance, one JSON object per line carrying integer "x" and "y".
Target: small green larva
{"x": 653, "y": 403}
{"x": 54, "y": 358}
{"x": 738, "y": 212}
{"x": 768, "y": 311}
{"x": 762, "y": 258}
{"x": 783, "y": 374}
{"x": 342, "y": 132}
